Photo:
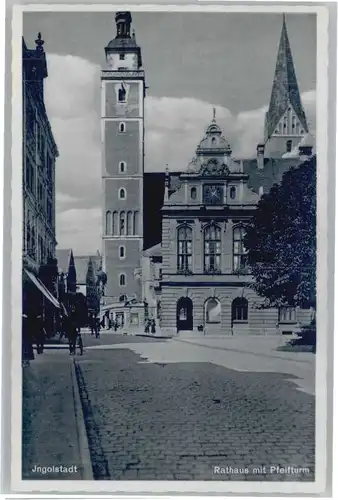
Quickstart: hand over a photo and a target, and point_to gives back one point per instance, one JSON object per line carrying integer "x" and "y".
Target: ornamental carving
{"x": 214, "y": 169}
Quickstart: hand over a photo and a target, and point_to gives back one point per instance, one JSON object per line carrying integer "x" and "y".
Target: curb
{"x": 152, "y": 336}
{"x": 83, "y": 446}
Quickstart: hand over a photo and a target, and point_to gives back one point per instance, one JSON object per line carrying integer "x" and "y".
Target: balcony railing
{"x": 212, "y": 270}
{"x": 185, "y": 271}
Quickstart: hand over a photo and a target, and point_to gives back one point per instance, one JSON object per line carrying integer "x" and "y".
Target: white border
{"x": 319, "y": 485}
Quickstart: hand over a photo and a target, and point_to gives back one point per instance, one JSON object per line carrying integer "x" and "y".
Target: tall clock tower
{"x": 122, "y": 129}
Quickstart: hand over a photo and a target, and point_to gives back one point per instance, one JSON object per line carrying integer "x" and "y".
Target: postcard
{"x": 169, "y": 262}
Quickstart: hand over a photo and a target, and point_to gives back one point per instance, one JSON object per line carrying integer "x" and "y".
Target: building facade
{"x": 39, "y": 155}
{"x": 200, "y": 281}
{"x": 205, "y": 280}
{"x": 191, "y": 223}
{"x": 123, "y": 93}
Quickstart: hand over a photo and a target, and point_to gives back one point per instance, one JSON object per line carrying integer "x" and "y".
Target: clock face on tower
{"x": 213, "y": 194}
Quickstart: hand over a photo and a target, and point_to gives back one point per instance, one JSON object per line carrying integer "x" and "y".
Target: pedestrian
{"x": 27, "y": 343}
{"x": 153, "y": 326}
{"x": 92, "y": 325}
{"x": 40, "y": 334}
{"x": 97, "y": 327}
{"x": 146, "y": 327}
{"x": 72, "y": 333}
{"x": 115, "y": 326}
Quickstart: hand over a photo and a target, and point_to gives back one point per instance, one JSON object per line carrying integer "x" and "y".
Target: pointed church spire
{"x": 285, "y": 91}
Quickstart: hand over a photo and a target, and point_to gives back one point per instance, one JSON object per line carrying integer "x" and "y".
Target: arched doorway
{"x": 184, "y": 316}
{"x": 212, "y": 316}
{"x": 239, "y": 315}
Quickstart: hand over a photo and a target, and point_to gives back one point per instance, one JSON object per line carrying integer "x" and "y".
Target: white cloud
{"x": 79, "y": 229}
{"x": 174, "y": 127}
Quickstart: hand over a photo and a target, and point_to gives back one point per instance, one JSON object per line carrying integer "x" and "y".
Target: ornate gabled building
{"x": 193, "y": 247}
{"x": 285, "y": 120}
{"x": 204, "y": 272}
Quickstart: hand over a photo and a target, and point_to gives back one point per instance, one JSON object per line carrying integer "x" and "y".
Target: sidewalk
{"x": 259, "y": 345}
{"x": 53, "y": 437}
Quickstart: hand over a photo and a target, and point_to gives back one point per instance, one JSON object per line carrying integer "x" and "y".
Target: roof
{"x": 81, "y": 266}
{"x": 155, "y": 251}
{"x": 285, "y": 89}
{"x": 123, "y": 43}
{"x": 63, "y": 256}
{"x": 271, "y": 174}
{"x": 213, "y": 141}
{"x": 154, "y": 192}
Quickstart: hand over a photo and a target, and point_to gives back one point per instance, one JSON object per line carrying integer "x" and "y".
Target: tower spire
{"x": 214, "y": 114}
{"x": 285, "y": 90}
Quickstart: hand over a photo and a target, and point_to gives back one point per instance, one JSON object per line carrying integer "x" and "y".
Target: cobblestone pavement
{"x": 180, "y": 420}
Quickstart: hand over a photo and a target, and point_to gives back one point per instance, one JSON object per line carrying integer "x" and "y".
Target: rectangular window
{"x": 122, "y": 57}
{"x": 240, "y": 256}
{"x": 212, "y": 249}
{"x": 287, "y": 315}
{"x": 184, "y": 249}
{"x": 134, "y": 319}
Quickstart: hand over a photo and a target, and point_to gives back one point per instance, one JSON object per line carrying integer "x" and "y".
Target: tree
{"x": 93, "y": 299}
{"x": 71, "y": 276}
{"x": 281, "y": 240}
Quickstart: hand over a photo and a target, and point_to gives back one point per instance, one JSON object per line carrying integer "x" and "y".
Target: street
{"x": 179, "y": 420}
{"x": 179, "y": 409}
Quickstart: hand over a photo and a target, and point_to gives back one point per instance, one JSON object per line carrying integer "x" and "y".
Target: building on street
{"x": 39, "y": 155}
{"x": 194, "y": 225}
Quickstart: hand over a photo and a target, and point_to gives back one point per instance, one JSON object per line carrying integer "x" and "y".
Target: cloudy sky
{"x": 192, "y": 61}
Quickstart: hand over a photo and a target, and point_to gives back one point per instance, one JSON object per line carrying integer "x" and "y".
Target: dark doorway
{"x": 184, "y": 316}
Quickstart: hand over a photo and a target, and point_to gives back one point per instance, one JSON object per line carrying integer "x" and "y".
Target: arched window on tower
{"x": 122, "y": 223}
{"x": 122, "y": 167}
{"x": 122, "y": 93}
{"x": 212, "y": 249}
{"x": 193, "y": 193}
{"x": 122, "y": 252}
{"x": 122, "y": 127}
{"x": 122, "y": 194}
{"x": 293, "y": 124}
{"x": 122, "y": 280}
{"x": 288, "y": 146}
{"x": 130, "y": 223}
{"x": 135, "y": 223}
{"x": 109, "y": 223}
{"x": 115, "y": 223}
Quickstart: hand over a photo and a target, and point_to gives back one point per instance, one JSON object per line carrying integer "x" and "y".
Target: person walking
{"x": 92, "y": 324}
{"x": 40, "y": 334}
{"x": 72, "y": 333}
{"x": 27, "y": 342}
{"x": 97, "y": 327}
{"x": 153, "y": 326}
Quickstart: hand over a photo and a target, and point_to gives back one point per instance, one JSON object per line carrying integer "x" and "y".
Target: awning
{"x": 42, "y": 288}
{"x": 64, "y": 310}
